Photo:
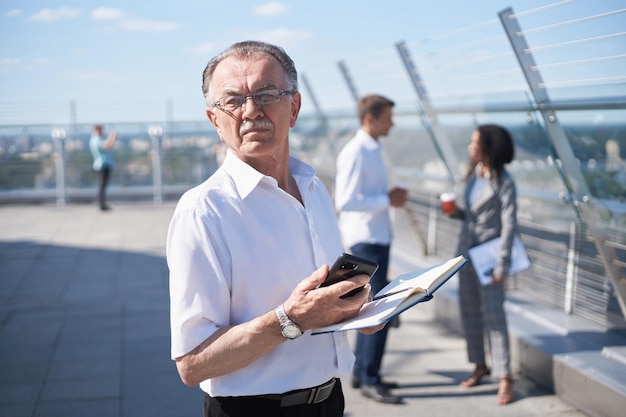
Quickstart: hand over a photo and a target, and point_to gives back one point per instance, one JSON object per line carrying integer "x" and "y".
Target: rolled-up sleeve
{"x": 199, "y": 295}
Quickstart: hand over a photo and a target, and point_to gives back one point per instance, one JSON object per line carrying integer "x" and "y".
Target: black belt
{"x": 303, "y": 396}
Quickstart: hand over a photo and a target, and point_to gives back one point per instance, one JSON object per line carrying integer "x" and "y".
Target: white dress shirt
{"x": 361, "y": 192}
{"x": 237, "y": 246}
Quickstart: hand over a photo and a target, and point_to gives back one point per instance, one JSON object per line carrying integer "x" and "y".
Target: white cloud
{"x": 53, "y": 15}
{"x": 124, "y": 22}
{"x": 6, "y": 64}
{"x": 273, "y": 8}
{"x": 107, "y": 13}
{"x": 201, "y": 49}
{"x": 140, "y": 25}
{"x": 9, "y": 64}
{"x": 40, "y": 62}
{"x": 13, "y": 13}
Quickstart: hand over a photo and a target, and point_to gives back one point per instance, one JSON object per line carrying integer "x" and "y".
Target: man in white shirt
{"x": 247, "y": 250}
{"x": 363, "y": 199}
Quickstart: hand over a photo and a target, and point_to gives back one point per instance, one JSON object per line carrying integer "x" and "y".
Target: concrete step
{"x": 579, "y": 361}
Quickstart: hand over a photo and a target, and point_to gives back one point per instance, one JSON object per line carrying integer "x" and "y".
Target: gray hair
{"x": 246, "y": 49}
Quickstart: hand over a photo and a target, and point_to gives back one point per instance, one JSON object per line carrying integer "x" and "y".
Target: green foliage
{"x": 607, "y": 184}
{"x": 17, "y": 172}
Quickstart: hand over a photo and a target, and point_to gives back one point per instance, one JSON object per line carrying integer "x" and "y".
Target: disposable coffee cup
{"x": 448, "y": 203}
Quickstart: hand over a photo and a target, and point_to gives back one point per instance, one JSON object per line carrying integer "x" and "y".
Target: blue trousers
{"x": 370, "y": 348}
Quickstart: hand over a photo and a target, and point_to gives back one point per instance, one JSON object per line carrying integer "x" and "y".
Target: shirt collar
{"x": 367, "y": 140}
{"x": 247, "y": 178}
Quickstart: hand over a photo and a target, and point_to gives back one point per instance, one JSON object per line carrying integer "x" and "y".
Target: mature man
{"x": 363, "y": 199}
{"x": 247, "y": 250}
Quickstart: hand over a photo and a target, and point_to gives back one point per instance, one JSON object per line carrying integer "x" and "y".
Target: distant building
{"x": 614, "y": 161}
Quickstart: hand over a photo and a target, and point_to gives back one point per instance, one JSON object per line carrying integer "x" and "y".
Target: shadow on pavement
{"x": 85, "y": 331}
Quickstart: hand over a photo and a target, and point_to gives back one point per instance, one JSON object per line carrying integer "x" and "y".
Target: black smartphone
{"x": 346, "y": 266}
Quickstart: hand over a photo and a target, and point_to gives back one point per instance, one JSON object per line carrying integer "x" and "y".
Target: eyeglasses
{"x": 232, "y": 103}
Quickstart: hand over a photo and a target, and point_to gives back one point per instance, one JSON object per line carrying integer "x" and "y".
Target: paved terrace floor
{"x": 84, "y": 328}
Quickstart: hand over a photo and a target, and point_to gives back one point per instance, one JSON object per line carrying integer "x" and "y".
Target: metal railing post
{"x": 570, "y": 274}
{"x": 323, "y": 119}
{"x": 58, "y": 136}
{"x": 433, "y": 216}
{"x": 348, "y": 79}
{"x": 156, "y": 134}
{"x": 428, "y": 117}
{"x": 574, "y": 179}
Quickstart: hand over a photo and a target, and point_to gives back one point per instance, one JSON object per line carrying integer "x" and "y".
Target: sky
{"x": 142, "y": 60}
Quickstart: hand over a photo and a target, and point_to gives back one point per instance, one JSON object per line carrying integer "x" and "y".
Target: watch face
{"x": 288, "y": 328}
{"x": 291, "y": 331}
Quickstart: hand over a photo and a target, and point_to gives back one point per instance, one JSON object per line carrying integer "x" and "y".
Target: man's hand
{"x": 496, "y": 279}
{"x": 398, "y": 197}
{"x": 110, "y": 141}
{"x": 310, "y": 306}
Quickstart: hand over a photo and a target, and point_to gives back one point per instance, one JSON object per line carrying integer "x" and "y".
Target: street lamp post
{"x": 156, "y": 134}
{"x": 58, "y": 135}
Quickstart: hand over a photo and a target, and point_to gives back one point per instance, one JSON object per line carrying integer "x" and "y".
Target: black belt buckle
{"x": 319, "y": 394}
{"x": 309, "y": 396}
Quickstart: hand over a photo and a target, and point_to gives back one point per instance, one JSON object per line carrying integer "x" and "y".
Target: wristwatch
{"x": 288, "y": 328}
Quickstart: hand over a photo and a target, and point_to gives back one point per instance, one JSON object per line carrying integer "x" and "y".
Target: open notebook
{"x": 399, "y": 295}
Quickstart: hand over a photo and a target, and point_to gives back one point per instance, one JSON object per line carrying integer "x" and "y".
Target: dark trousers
{"x": 103, "y": 181}
{"x": 370, "y": 348}
{"x": 333, "y": 406}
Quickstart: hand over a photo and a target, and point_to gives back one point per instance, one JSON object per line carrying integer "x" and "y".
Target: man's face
{"x": 383, "y": 123}
{"x": 253, "y": 131}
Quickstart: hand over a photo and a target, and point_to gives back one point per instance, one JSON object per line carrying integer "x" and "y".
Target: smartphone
{"x": 346, "y": 266}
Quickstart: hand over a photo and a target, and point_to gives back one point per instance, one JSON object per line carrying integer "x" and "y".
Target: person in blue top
{"x": 103, "y": 160}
